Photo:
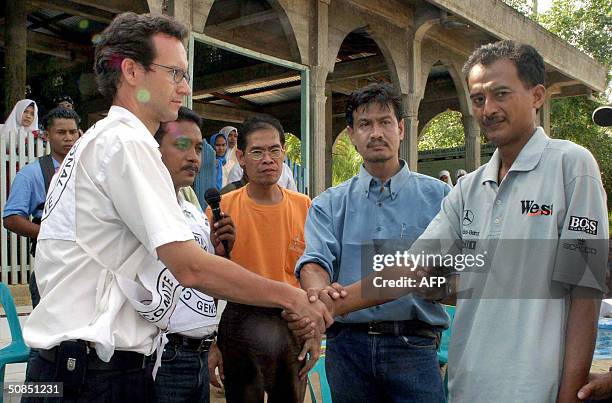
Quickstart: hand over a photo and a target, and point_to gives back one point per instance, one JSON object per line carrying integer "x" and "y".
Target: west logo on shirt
{"x": 532, "y": 209}
{"x": 582, "y": 224}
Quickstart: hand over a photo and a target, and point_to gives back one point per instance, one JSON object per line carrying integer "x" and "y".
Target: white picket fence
{"x": 16, "y": 150}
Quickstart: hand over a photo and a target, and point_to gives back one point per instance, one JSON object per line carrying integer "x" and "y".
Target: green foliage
{"x": 443, "y": 131}
{"x": 522, "y": 6}
{"x": 571, "y": 120}
{"x": 586, "y": 24}
{"x": 345, "y": 159}
{"x": 293, "y": 148}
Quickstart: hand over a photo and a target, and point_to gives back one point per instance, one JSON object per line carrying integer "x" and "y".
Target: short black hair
{"x": 184, "y": 114}
{"x": 64, "y": 98}
{"x": 529, "y": 63}
{"x": 380, "y": 93}
{"x": 59, "y": 113}
{"x": 129, "y": 35}
{"x": 255, "y": 123}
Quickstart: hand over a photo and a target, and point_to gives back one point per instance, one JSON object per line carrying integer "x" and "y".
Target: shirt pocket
{"x": 294, "y": 252}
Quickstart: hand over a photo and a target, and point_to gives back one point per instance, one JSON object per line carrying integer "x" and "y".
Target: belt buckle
{"x": 371, "y": 330}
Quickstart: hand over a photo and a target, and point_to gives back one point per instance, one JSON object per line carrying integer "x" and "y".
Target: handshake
{"x": 311, "y": 317}
{"x": 318, "y": 315}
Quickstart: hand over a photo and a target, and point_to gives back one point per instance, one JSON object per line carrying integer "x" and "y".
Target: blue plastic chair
{"x": 16, "y": 351}
{"x": 444, "y": 342}
{"x": 319, "y": 368}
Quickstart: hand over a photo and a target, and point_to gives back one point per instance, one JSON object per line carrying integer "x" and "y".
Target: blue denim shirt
{"x": 27, "y": 192}
{"x": 360, "y": 210}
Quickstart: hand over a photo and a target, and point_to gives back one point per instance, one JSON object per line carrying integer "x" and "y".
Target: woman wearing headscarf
{"x": 219, "y": 142}
{"x": 231, "y": 133}
{"x": 460, "y": 173}
{"x": 23, "y": 116}
{"x": 445, "y": 177}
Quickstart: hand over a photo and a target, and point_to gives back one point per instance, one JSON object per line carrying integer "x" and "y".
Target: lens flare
{"x": 143, "y": 96}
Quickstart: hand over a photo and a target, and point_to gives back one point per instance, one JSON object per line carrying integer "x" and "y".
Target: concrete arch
{"x": 454, "y": 71}
{"x": 203, "y": 9}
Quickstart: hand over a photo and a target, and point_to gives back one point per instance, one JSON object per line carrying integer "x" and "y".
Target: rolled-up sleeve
{"x": 322, "y": 243}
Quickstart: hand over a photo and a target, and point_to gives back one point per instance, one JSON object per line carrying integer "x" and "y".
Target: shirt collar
{"x": 127, "y": 117}
{"x": 527, "y": 160}
{"x": 396, "y": 182}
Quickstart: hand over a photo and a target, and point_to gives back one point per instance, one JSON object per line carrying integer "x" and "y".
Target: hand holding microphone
{"x": 222, "y": 231}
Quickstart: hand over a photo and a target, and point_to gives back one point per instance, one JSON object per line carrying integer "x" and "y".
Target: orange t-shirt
{"x": 269, "y": 238}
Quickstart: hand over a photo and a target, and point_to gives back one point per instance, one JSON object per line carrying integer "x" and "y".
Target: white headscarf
{"x": 448, "y": 177}
{"x": 230, "y": 155}
{"x": 13, "y": 122}
{"x": 459, "y": 172}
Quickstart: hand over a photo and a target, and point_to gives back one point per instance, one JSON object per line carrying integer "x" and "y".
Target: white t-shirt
{"x": 286, "y": 179}
{"x": 195, "y": 313}
{"x": 111, "y": 204}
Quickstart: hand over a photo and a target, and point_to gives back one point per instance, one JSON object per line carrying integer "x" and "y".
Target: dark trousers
{"x": 133, "y": 386}
{"x": 382, "y": 368}
{"x": 182, "y": 376}
{"x": 259, "y": 355}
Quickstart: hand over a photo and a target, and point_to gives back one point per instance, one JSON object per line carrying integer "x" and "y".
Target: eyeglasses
{"x": 275, "y": 153}
{"x": 177, "y": 74}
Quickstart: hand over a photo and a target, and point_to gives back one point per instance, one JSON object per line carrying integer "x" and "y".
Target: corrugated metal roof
{"x": 263, "y": 85}
{"x": 274, "y": 96}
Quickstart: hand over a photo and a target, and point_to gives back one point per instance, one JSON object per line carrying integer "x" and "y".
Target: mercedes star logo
{"x": 468, "y": 217}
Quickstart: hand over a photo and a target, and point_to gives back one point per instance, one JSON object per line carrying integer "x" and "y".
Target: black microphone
{"x": 213, "y": 198}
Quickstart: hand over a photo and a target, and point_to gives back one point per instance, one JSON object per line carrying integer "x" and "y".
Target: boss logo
{"x": 582, "y": 224}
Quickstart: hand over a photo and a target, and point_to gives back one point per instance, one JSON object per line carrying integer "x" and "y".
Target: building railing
{"x": 17, "y": 148}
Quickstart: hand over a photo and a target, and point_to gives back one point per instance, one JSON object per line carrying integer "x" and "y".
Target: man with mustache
{"x": 183, "y": 375}
{"x": 526, "y": 321}
{"x": 385, "y": 353}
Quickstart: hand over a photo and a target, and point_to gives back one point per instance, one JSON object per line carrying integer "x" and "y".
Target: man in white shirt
{"x": 183, "y": 375}
{"x": 113, "y": 243}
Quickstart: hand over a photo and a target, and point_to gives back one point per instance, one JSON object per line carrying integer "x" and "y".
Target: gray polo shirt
{"x": 548, "y": 215}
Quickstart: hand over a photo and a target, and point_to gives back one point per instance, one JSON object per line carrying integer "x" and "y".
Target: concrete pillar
{"x": 544, "y": 116}
{"x": 409, "y": 150}
{"x": 15, "y": 53}
{"x": 329, "y": 135}
{"x": 319, "y": 39}
{"x": 472, "y": 143}
{"x": 318, "y": 123}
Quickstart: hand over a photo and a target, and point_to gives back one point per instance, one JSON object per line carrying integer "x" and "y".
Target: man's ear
{"x": 401, "y": 127}
{"x": 539, "y": 96}
{"x": 130, "y": 71}
{"x": 240, "y": 157}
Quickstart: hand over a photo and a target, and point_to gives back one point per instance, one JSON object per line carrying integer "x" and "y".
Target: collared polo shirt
{"x": 346, "y": 217}
{"x": 111, "y": 204}
{"x": 508, "y": 339}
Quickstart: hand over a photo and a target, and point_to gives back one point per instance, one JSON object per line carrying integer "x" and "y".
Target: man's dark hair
{"x": 64, "y": 98}
{"x": 380, "y": 93}
{"x": 59, "y": 113}
{"x": 129, "y": 35}
{"x": 255, "y": 123}
{"x": 528, "y": 61}
{"x": 184, "y": 115}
